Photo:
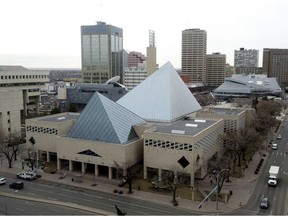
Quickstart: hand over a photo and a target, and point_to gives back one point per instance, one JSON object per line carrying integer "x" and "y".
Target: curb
{"x": 59, "y": 203}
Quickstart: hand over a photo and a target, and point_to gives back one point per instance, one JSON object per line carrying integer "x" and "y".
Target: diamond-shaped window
{"x": 183, "y": 162}
{"x": 89, "y": 152}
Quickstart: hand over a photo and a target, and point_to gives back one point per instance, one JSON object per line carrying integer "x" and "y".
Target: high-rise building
{"x": 134, "y": 58}
{"x": 151, "y": 60}
{"x": 275, "y": 64}
{"x": 215, "y": 69}
{"x": 102, "y": 52}
{"x": 136, "y": 72}
{"x": 194, "y": 42}
{"x": 246, "y": 58}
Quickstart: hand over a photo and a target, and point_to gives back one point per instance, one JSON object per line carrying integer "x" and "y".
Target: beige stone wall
{"x": 164, "y": 158}
{"x": 11, "y": 104}
{"x": 124, "y": 155}
{"x": 47, "y": 141}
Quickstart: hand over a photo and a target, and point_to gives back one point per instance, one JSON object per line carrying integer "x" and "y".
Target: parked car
{"x": 264, "y": 203}
{"x": 274, "y": 146}
{"x": 279, "y": 136}
{"x": 2, "y": 181}
{"x": 17, "y": 185}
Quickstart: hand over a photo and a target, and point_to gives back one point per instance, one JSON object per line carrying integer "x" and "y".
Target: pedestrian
{"x": 211, "y": 182}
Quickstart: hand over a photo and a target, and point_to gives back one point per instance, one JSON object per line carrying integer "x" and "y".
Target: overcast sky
{"x": 46, "y": 33}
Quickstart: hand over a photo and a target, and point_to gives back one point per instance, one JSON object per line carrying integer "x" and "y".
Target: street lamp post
{"x": 217, "y": 186}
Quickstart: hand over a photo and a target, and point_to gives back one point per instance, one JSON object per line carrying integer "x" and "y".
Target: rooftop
{"x": 59, "y": 118}
{"x": 189, "y": 127}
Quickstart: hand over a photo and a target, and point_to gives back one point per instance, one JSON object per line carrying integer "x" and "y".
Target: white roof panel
{"x": 162, "y": 97}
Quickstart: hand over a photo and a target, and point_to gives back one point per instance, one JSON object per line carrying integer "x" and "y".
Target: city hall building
{"x": 155, "y": 123}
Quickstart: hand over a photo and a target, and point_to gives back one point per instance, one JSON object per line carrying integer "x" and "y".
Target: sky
{"x": 46, "y": 33}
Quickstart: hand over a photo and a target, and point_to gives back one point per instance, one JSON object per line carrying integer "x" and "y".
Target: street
{"x": 277, "y": 195}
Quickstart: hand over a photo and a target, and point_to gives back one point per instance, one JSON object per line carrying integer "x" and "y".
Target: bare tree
{"x": 14, "y": 140}
{"x": 240, "y": 143}
{"x": 11, "y": 146}
{"x": 31, "y": 160}
{"x": 214, "y": 167}
{"x": 174, "y": 179}
{"x": 8, "y": 153}
{"x": 129, "y": 175}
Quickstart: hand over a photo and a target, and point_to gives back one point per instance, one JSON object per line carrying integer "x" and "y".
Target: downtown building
{"x": 194, "y": 42}
{"x": 246, "y": 61}
{"x": 101, "y": 52}
{"x": 275, "y": 64}
{"x": 215, "y": 69}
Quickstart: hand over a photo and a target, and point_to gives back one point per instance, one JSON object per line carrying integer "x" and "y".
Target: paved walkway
{"x": 241, "y": 188}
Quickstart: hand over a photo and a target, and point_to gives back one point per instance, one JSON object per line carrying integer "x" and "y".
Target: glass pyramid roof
{"x": 106, "y": 121}
{"x": 161, "y": 97}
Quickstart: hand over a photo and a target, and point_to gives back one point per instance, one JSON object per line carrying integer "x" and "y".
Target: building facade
{"x": 134, "y": 58}
{"x": 10, "y": 109}
{"x": 248, "y": 70}
{"x": 246, "y": 58}
{"x": 215, "y": 69}
{"x": 133, "y": 76}
{"x": 275, "y": 64}
{"x": 29, "y": 82}
{"x": 101, "y": 52}
{"x": 194, "y": 43}
{"x": 79, "y": 94}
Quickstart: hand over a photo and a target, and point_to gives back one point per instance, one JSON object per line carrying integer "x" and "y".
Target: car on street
{"x": 17, "y": 185}
{"x": 274, "y": 146}
{"x": 264, "y": 203}
{"x": 2, "y": 181}
{"x": 279, "y": 136}
{"x": 27, "y": 175}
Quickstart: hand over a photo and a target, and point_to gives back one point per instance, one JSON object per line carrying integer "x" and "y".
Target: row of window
{"x": 8, "y": 77}
{"x": 42, "y": 130}
{"x": 168, "y": 144}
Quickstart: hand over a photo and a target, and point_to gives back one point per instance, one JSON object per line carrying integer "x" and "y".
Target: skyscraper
{"x": 102, "y": 52}
{"x": 215, "y": 69}
{"x": 275, "y": 64}
{"x": 194, "y": 42}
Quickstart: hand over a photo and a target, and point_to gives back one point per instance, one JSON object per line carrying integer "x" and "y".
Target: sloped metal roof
{"x": 162, "y": 97}
{"x": 106, "y": 121}
{"x": 249, "y": 84}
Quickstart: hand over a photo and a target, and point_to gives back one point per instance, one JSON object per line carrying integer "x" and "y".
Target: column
{"x": 110, "y": 172}
{"x": 159, "y": 175}
{"x": 83, "y": 167}
{"x": 96, "y": 170}
{"x": 145, "y": 172}
{"x": 192, "y": 181}
{"x": 58, "y": 163}
{"x": 48, "y": 156}
{"x": 70, "y": 166}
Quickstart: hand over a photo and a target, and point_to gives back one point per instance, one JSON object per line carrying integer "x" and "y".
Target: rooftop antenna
{"x": 151, "y": 38}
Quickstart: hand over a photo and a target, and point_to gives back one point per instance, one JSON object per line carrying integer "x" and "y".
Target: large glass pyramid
{"x": 162, "y": 97}
{"x": 106, "y": 121}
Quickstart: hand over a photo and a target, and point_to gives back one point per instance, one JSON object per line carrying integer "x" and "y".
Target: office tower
{"x": 215, "y": 69}
{"x": 102, "y": 52}
{"x": 275, "y": 64}
{"x": 246, "y": 58}
{"x": 151, "y": 59}
{"x": 194, "y": 43}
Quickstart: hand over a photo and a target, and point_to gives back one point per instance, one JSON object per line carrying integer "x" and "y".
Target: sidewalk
{"x": 241, "y": 188}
